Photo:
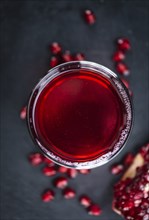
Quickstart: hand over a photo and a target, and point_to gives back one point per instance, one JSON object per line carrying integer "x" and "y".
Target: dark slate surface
{"x": 27, "y": 28}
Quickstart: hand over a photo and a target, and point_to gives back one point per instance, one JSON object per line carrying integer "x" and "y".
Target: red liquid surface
{"x": 79, "y": 116}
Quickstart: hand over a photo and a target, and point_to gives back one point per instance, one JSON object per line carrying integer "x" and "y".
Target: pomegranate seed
{"x": 118, "y": 56}
{"x": 48, "y": 162}
{"x": 128, "y": 159}
{"x": 61, "y": 182}
{"x": 69, "y": 193}
{"x": 123, "y": 44}
{"x": 35, "y": 159}
{"x": 125, "y": 82}
{"x": 66, "y": 56}
{"x": 62, "y": 169}
{"x": 122, "y": 69}
{"x": 49, "y": 171}
{"x": 79, "y": 56}
{"x": 146, "y": 217}
{"x": 84, "y": 171}
{"x": 55, "y": 48}
{"x": 128, "y": 205}
{"x": 144, "y": 150}
{"x": 116, "y": 169}
{"x": 130, "y": 92}
{"x": 48, "y": 196}
{"x": 72, "y": 173}
{"x": 23, "y": 113}
{"x": 53, "y": 62}
{"x": 94, "y": 209}
{"x": 85, "y": 200}
{"x": 138, "y": 195}
{"x": 89, "y": 17}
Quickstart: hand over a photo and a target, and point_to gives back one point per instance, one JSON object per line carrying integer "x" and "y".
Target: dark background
{"x": 27, "y": 28}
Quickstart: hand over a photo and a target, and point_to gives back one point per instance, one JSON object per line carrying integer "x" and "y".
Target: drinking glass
{"x": 80, "y": 114}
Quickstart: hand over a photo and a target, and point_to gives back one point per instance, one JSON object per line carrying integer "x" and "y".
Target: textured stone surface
{"x": 27, "y": 28}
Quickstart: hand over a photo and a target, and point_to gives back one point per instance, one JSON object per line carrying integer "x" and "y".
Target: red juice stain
{"x": 79, "y": 115}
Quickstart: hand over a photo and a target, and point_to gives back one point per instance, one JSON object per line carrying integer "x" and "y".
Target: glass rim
{"x": 123, "y": 92}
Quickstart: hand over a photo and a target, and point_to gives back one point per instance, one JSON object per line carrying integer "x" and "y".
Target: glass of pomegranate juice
{"x": 80, "y": 114}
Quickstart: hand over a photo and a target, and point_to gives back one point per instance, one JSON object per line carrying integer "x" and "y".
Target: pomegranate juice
{"x": 79, "y": 115}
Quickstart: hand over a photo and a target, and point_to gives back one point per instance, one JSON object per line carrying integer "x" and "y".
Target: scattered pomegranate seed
{"x": 89, "y": 17}
{"x": 35, "y": 158}
{"x": 126, "y": 83}
{"x": 55, "y": 48}
{"x": 61, "y": 182}
{"x": 23, "y": 113}
{"x": 118, "y": 56}
{"x": 128, "y": 159}
{"x": 94, "y": 209}
{"x": 130, "y": 92}
{"x": 62, "y": 169}
{"x": 69, "y": 193}
{"x": 122, "y": 69}
{"x": 53, "y": 62}
{"x": 123, "y": 44}
{"x": 116, "y": 169}
{"x": 85, "y": 200}
{"x": 48, "y": 162}
{"x": 72, "y": 173}
{"x": 66, "y": 56}
{"x": 48, "y": 196}
{"x": 79, "y": 56}
{"x": 85, "y": 171}
{"x": 144, "y": 150}
{"x": 49, "y": 171}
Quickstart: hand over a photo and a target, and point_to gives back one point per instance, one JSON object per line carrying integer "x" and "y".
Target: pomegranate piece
{"x": 89, "y": 17}
{"x": 66, "y": 56}
{"x": 49, "y": 171}
{"x": 48, "y": 196}
{"x": 94, "y": 209}
{"x": 85, "y": 200}
{"x": 122, "y": 69}
{"x": 117, "y": 169}
{"x": 128, "y": 159}
{"x": 72, "y": 173}
{"x": 55, "y": 48}
{"x": 69, "y": 193}
{"x": 118, "y": 56}
{"x": 23, "y": 113}
{"x": 131, "y": 193}
{"x": 85, "y": 171}
{"x": 79, "y": 57}
{"x": 62, "y": 169}
{"x": 125, "y": 82}
{"x": 61, "y": 182}
{"x": 35, "y": 158}
{"x": 123, "y": 44}
{"x": 54, "y": 62}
